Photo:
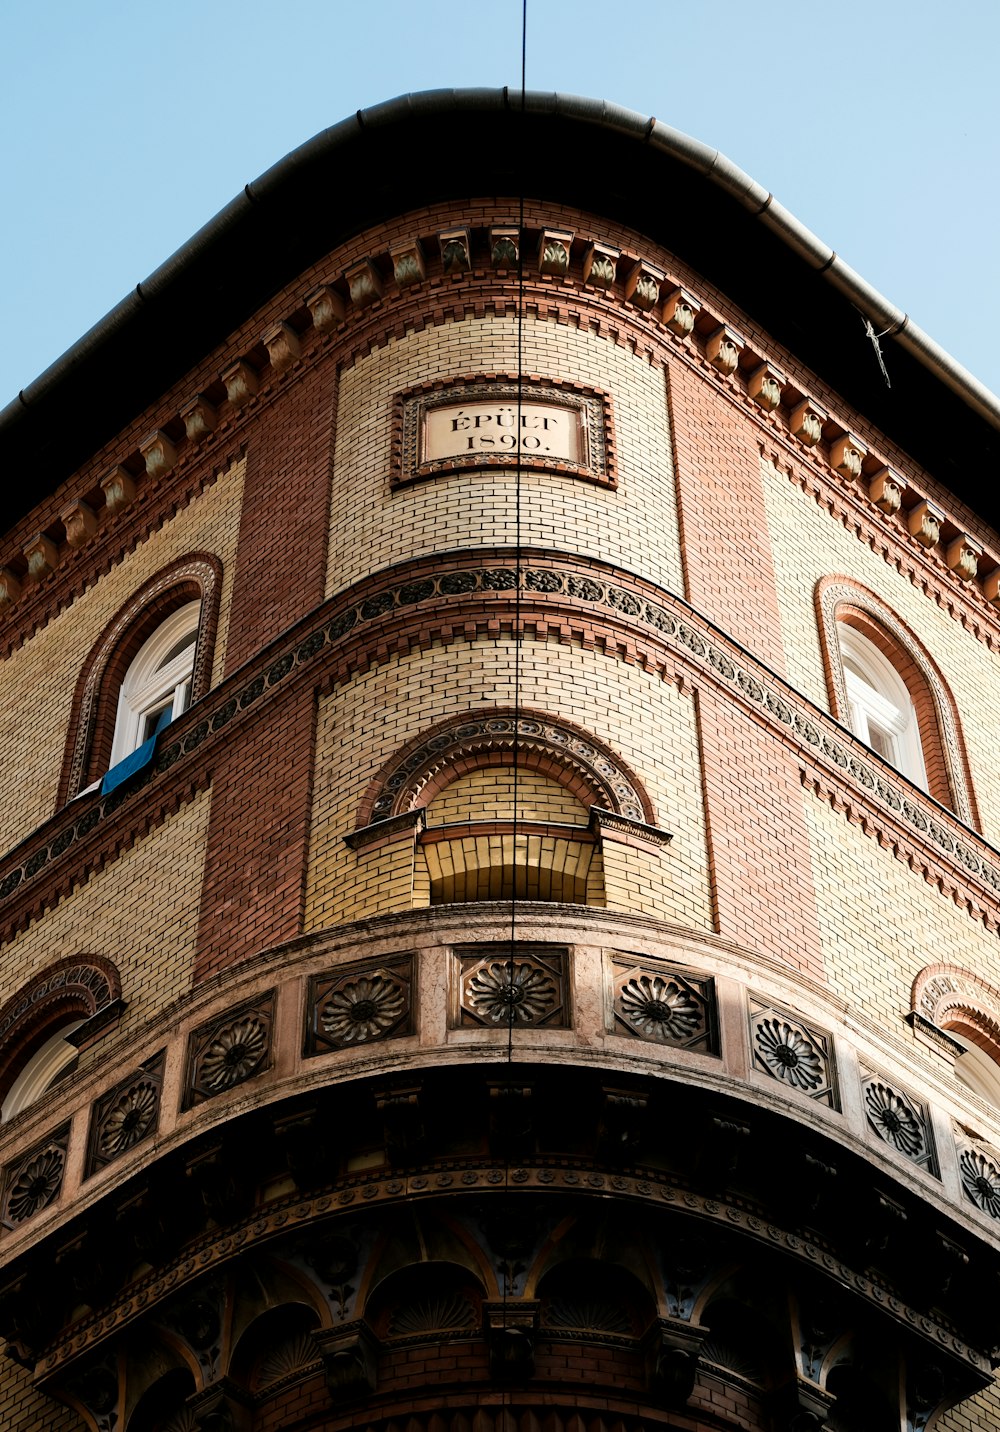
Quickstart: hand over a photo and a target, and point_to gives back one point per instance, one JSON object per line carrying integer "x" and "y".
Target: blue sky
{"x": 126, "y": 126}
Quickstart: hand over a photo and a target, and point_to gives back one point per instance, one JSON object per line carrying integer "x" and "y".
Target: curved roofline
{"x": 491, "y": 113}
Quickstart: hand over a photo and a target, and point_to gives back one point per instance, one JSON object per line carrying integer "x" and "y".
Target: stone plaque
{"x": 463, "y": 429}
{"x": 478, "y": 423}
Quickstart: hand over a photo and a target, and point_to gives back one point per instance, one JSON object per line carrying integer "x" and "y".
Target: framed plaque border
{"x": 412, "y": 404}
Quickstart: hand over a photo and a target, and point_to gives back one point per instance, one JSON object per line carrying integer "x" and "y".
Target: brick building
{"x": 407, "y": 1025}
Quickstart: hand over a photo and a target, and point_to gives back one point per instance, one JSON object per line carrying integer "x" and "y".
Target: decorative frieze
{"x": 229, "y": 1050}
{"x": 10, "y": 587}
{"x": 886, "y": 490}
{"x": 125, "y": 1116}
{"x": 723, "y": 349}
{"x": 554, "y": 249}
{"x": 282, "y": 344}
{"x": 241, "y": 383}
{"x": 962, "y": 556}
{"x": 408, "y": 264}
{"x": 456, "y": 250}
{"x": 359, "y": 1005}
{"x": 118, "y": 488}
{"x": 680, "y": 312}
{"x": 512, "y": 987}
{"x": 793, "y": 1053}
{"x": 79, "y": 522}
{"x": 364, "y": 283}
{"x": 664, "y": 1005}
{"x": 199, "y": 418}
{"x": 600, "y": 265}
{"x": 158, "y": 453}
{"x": 847, "y": 456}
{"x": 42, "y": 554}
{"x": 806, "y": 421}
{"x": 34, "y": 1181}
{"x": 326, "y": 307}
{"x": 505, "y": 246}
{"x": 899, "y": 1120}
{"x": 642, "y": 287}
{"x": 764, "y": 386}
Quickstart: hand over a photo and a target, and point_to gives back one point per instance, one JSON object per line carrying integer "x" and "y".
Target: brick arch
{"x": 841, "y": 600}
{"x": 197, "y": 577}
{"x": 951, "y": 997}
{"x": 415, "y": 774}
{"x": 79, "y": 987}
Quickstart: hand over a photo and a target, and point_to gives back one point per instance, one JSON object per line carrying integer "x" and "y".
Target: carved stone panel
{"x": 359, "y": 1004}
{"x": 979, "y": 1169}
{"x": 899, "y": 1120}
{"x": 501, "y": 987}
{"x": 230, "y": 1049}
{"x": 663, "y": 1004}
{"x": 792, "y": 1052}
{"x": 34, "y": 1181}
{"x": 126, "y": 1115}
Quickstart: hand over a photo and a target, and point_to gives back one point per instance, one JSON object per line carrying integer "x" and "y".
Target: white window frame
{"x": 41, "y": 1071}
{"x": 878, "y": 697}
{"x": 149, "y": 685}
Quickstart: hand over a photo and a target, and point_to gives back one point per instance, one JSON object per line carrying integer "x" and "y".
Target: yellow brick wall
{"x": 489, "y": 795}
{"x": 881, "y": 923}
{"x": 809, "y": 544}
{"x": 372, "y": 528}
{"x": 645, "y": 720}
{"x": 38, "y": 681}
{"x": 127, "y": 912}
{"x": 979, "y": 1414}
{"x": 24, "y": 1409}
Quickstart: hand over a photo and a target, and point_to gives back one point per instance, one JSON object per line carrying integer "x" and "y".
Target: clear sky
{"x": 126, "y": 125}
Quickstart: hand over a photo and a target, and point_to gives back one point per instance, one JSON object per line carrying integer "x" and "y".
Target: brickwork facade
{"x": 503, "y": 983}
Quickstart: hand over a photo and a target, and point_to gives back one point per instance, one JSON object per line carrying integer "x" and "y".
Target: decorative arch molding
{"x": 415, "y": 774}
{"x": 948, "y": 996}
{"x": 82, "y": 987}
{"x": 197, "y": 577}
{"x": 842, "y": 600}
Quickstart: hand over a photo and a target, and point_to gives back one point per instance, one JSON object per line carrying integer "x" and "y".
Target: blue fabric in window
{"x": 140, "y": 757}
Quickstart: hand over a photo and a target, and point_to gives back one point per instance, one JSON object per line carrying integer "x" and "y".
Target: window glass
{"x": 157, "y": 685}
{"x": 880, "y": 709}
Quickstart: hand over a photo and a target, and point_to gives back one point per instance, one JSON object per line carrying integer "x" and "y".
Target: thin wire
{"x": 517, "y": 541}
{"x": 507, "y": 1268}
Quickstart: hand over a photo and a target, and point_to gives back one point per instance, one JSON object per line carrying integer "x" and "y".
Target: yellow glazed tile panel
{"x": 809, "y": 544}
{"x": 37, "y": 682}
{"x": 145, "y": 925}
{"x": 372, "y": 527}
{"x": 881, "y": 923}
{"x": 646, "y": 721}
{"x": 490, "y": 795}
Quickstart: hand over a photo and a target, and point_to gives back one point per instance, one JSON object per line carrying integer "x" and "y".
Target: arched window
{"x": 53, "y": 1059}
{"x": 157, "y": 685}
{"x": 497, "y": 806}
{"x": 153, "y": 660}
{"x": 44, "y": 1026}
{"x": 881, "y": 709}
{"x": 967, "y": 1009}
{"x": 887, "y": 688}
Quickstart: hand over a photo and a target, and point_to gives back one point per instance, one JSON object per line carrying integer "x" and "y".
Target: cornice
{"x": 363, "y": 304}
{"x": 459, "y": 596}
